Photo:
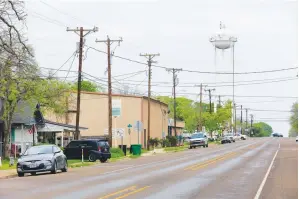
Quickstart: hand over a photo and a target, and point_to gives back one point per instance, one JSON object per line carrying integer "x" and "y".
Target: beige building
{"x": 94, "y": 116}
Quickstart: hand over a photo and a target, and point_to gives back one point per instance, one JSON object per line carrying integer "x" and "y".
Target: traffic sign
{"x": 129, "y": 125}
{"x": 138, "y": 126}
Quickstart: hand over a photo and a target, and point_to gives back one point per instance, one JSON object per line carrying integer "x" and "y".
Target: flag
{"x": 32, "y": 129}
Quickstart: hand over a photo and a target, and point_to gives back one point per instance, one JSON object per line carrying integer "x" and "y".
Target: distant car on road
{"x": 92, "y": 150}
{"x": 198, "y": 139}
{"x": 225, "y": 139}
{"x": 40, "y": 159}
{"x": 243, "y": 137}
{"x": 231, "y": 137}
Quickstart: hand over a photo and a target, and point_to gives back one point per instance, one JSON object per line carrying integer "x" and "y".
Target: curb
{"x": 9, "y": 176}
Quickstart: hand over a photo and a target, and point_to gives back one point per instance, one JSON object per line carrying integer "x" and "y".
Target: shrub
{"x": 165, "y": 142}
{"x": 172, "y": 139}
{"x": 154, "y": 142}
{"x": 116, "y": 153}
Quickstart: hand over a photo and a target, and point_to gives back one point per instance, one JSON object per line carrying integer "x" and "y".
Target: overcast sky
{"x": 180, "y": 32}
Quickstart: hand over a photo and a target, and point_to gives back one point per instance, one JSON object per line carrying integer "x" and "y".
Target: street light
{"x": 224, "y": 41}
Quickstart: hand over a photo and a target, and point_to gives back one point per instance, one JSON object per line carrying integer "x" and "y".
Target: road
{"x": 230, "y": 171}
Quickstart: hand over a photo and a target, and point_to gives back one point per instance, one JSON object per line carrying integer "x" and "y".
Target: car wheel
{"x": 207, "y": 145}
{"x": 190, "y": 147}
{"x": 21, "y": 174}
{"x": 92, "y": 157}
{"x": 54, "y": 169}
{"x": 103, "y": 160}
{"x": 65, "y": 167}
{"x": 33, "y": 173}
{"x": 204, "y": 146}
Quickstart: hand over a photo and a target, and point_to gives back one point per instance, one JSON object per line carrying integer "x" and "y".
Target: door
{"x": 73, "y": 150}
{"x": 86, "y": 146}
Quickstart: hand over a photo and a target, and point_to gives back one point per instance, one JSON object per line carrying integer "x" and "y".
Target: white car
{"x": 243, "y": 137}
{"x": 198, "y": 139}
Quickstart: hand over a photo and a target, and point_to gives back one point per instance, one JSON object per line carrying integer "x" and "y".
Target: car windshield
{"x": 39, "y": 150}
{"x": 197, "y": 135}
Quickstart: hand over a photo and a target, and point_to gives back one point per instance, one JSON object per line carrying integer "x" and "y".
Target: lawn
{"x": 5, "y": 165}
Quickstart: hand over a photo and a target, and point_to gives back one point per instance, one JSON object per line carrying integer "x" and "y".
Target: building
{"x": 180, "y": 126}
{"x": 127, "y": 110}
{"x": 29, "y": 127}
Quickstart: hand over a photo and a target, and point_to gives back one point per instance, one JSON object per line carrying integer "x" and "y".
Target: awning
{"x": 58, "y": 127}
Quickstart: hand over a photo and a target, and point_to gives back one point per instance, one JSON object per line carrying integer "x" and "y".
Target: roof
{"x": 51, "y": 126}
{"x": 23, "y": 113}
{"x": 122, "y": 95}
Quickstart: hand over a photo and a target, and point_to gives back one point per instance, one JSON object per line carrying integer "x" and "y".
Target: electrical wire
{"x": 69, "y": 68}
{"x": 203, "y": 72}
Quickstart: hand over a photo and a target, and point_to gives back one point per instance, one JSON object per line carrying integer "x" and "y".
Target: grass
{"x": 5, "y": 165}
{"x": 176, "y": 148}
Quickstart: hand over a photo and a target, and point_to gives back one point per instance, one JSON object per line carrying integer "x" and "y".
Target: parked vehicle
{"x": 92, "y": 150}
{"x": 225, "y": 139}
{"x": 297, "y": 139}
{"x": 198, "y": 139}
{"x": 40, "y": 159}
{"x": 231, "y": 137}
{"x": 243, "y": 137}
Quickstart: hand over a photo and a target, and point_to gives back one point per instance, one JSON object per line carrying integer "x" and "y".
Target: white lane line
{"x": 258, "y": 193}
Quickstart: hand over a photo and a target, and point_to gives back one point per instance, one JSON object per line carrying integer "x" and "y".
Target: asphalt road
{"x": 230, "y": 171}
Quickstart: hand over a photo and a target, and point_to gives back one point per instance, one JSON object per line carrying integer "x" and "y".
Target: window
{"x": 73, "y": 144}
{"x": 39, "y": 150}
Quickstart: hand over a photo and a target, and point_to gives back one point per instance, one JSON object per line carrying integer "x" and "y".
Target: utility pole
{"x": 80, "y": 31}
{"x": 251, "y": 121}
{"x": 149, "y": 62}
{"x": 241, "y": 119}
{"x": 219, "y": 100}
{"x": 109, "y": 42}
{"x": 247, "y": 120}
{"x": 235, "y": 119}
{"x": 175, "y": 83}
{"x": 200, "y": 107}
{"x": 210, "y": 97}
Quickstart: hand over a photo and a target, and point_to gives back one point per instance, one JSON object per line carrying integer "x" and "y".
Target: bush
{"x": 173, "y": 140}
{"x": 116, "y": 153}
{"x": 154, "y": 142}
{"x": 165, "y": 142}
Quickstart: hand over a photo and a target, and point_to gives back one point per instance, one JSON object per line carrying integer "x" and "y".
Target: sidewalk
{"x": 4, "y": 174}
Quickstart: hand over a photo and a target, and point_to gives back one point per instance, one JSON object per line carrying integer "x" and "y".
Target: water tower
{"x": 224, "y": 40}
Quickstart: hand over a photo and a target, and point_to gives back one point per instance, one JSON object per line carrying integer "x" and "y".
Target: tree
{"x": 294, "y": 120}
{"x": 88, "y": 86}
{"x": 261, "y": 129}
{"x": 19, "y": 74}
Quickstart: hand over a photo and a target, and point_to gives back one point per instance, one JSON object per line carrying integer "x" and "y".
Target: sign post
{"x": 129, "y": 131}
{"x": 138, "y": 128}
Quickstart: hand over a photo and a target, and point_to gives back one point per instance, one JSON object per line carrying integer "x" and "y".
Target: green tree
{"x": 294, "y": 120}
{"x": 88, "y": 86}
{"x": 261, "y": 129}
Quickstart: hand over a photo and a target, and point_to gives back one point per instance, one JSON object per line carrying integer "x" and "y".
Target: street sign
{"x": 129, "y": 125}
{"x": 138, "y": 126}
{"x": 120, "y": 132}
{"x": 116, "y": 107}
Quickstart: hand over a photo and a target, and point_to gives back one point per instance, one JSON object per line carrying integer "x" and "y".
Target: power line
{"x": 67, "y": 14}
{"x": 203, "y": 72}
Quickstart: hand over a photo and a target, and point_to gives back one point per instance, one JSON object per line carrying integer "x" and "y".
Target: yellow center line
{"x": 209, "y": 161}
{"x": 133, "y": 192}
{"x": 118, "y": 192}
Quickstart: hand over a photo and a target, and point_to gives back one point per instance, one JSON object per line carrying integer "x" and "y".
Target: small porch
{"x": 57, "y": 133}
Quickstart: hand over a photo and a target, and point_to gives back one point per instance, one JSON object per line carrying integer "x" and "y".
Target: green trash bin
{"x": 136, "y": 149}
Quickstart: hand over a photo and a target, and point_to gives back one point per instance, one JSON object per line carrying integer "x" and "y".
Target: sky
{"x": 180, "y": 31}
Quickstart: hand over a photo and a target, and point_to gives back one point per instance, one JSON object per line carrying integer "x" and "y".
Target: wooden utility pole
{"x": 235, "y": 119}
{"x": 80, "y": 31}
{"x": 246, "y": 120}
{"x": 210, "y": 97}
{"x": 175, "y": 83}
{"x": 241, "y": 119}
{"x": 200, "y": 107}
{"x": 149, "y": 62}
{"x": 109, "y": 42}
{"x": 251, "y": 121}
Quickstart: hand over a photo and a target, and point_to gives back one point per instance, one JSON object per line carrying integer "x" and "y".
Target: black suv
{"x": 92, "y": 150}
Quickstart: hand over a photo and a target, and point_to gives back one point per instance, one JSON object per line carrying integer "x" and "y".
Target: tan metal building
{"x": 94, "y": 116}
